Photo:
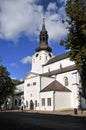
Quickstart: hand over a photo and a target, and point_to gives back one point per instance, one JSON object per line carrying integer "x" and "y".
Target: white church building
{"x": 53, "y": 82}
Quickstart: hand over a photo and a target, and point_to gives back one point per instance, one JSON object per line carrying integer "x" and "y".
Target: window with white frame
{"x": 34, "y": 83}
{"x": 35, "y": 103}
{"x": 15, "y": 102}
{"x": 28, "y": 85}
{"x": 26, "y": 103}
{"x": 19, "y": 102}
{"x": 43, "y": 101}
{"x": 66, "y": 83}
{"x": 48, "y": 101}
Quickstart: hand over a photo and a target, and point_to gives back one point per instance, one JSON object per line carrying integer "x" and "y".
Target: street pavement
{"x": 40, "y": 121}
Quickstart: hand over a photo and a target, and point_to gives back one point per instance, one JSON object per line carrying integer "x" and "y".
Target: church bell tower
{"x": 43, "y": 39}
{"x": 42, "y": 53}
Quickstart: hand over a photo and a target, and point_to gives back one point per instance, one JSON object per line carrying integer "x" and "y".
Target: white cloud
{"x": 25, "y": 16}
{"x": 18, "y": 16}
{"x": 26, "y": 60}
{"x": 52, "y": 6}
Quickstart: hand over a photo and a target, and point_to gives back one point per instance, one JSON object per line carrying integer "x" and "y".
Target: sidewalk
{"x": 65, "y": 112}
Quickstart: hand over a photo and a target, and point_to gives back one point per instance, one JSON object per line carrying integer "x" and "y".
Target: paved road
{"x": 37, "y": 121}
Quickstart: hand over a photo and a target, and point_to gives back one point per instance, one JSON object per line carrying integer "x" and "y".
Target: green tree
{"x": 7, "y": 86}
{"x": 76, "y": 38}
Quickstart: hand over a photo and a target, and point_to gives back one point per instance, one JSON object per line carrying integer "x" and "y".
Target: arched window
{"x": 35, "y": 103}
{"x": 26, "y": 103}
{"x": 66, "y": 83}
{"x": 19, "y": 102}
{"x": 15, "y": 102}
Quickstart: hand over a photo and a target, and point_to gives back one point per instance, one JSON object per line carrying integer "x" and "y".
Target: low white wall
{"x": 83, "y": 103}
{"x": 46, "y": 95}
{"x": 62, "y": 100}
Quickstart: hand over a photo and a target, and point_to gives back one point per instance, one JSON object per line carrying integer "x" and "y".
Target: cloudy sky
{"x": 20, "y": 25}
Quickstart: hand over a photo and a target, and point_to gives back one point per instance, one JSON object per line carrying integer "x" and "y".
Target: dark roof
{"x": 21, "y": 82}
{"x": 19, "y": 93}
{"x": 61, "y": 70}
{"x": 57, "y": 58}
{"x": 55, "y": 86}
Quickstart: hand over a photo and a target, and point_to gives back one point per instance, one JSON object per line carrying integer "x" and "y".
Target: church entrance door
{"x": 31, "y": 105}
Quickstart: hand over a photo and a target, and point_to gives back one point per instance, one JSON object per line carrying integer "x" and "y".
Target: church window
{"x": 34, "y": 83}
{"x": 43, "y": 101}
{"x": 49, "y": 101}
{"x": 26, "y": 103}
{"x": 15, "y": 102}
{"x": 28, "y": 85}
{"x": 35, "y": 103}
{"x": 66, "y": 83}
{"x": 50, "y": 55}
{"x": 37, "y": 55}
{"x": 19, "y": 102}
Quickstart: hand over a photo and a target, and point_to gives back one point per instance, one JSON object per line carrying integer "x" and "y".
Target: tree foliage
{"x": 7, "y": 86}
{"x": 76, "y": 38}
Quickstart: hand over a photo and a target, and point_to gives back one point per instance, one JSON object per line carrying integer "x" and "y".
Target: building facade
{"x": 53, "y": 82}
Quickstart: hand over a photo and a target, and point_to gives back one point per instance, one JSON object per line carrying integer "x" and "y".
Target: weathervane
{"x": 44, "y": 19}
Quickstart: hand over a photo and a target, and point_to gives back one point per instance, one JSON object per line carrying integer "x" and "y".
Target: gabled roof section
{"x": 58, "y": 58}
{"x": 55, "y": 86}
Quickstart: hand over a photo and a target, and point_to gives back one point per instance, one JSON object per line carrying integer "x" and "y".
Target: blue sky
{"x": 20, "y": 25}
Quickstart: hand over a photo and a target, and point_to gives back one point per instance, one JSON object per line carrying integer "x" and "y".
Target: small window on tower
{"x": 37, "y": 55}
{"x": 50, "y": 55}
{"x": 43, "y": 38}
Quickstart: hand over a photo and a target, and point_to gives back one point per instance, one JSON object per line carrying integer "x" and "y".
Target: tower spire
{"x": 43, "y": 26}
{"x": 44, "y": 20}
{"x": 43, "y": 39}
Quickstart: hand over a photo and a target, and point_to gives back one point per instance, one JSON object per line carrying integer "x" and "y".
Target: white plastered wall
{"x": 32, "y": 92}
{"x": 56, "y": 65}
{"x": 38, "y": 60}
{"x": 46, "y": 95}
{"x": 62, "y": 100}
{"x": 73, "y": 79}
